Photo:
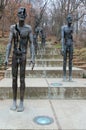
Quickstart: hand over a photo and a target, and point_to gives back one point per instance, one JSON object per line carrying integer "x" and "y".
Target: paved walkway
{"x": 67, "y": 115}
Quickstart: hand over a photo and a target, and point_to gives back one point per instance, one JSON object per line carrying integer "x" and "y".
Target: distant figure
{"x": 20, "y": 34}
{"x": 38, "y": 31}
{"x": 67, "y": 46}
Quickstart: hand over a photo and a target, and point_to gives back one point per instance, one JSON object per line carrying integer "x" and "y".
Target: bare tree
{"x": 7, "y": 13}
{"x": 59, "y": 11}
{"x": 3, "y": 3}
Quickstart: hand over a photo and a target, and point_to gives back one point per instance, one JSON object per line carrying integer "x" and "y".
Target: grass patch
{"x": 1, "y": 60}
{"x": 58, "y": 46}
{"x": 84, "y": 76}
{"x": 3, "y": 41}
{"x": 2, "y": 51}
{"x": 81, "y": 54}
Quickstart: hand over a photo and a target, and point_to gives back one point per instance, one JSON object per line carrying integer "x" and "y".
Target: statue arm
{"x": 62, "y": 37}
{"x": 9, "y": 45}
{"x": 73, "y": 38}
{"x": 62, "y": 40}
{"x": 32, "y": 49}
{"x": 72, "y": 34}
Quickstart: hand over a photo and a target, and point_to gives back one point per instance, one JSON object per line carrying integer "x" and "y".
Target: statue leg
{"x": 70, "y": 63}
{"x": 43, "y": 43}
{"x": 64, "y": 65}
{"x": 36, "y": 45}
{"x": 14, "y": 81}
{"x": 36, "y": 48}
{"x": 22, "y": 83}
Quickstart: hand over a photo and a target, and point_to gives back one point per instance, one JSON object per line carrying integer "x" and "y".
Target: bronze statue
{"x": 39, "y": 32}
{"x": 20, "y": 34}
{"x": 67, "y": 46}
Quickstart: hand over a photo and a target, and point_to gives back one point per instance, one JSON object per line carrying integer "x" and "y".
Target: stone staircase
{"x": 45, "y": 81}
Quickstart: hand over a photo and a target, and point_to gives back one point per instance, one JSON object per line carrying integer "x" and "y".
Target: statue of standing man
{"x": 67, "y": 46}
{"x": 19, "y": 36}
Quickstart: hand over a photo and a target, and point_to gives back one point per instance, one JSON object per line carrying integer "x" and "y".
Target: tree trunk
{"x": 68, "y": 7}
{"x": 3, "y": 27}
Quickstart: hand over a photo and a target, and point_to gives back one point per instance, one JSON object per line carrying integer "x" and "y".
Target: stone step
{"x": 2, "y": 72}
{"x": 82, "y": 67}
{"x": 51, "y": 49}
{"x": 45, "y": 56}
{"x": 50, "y": 72}
{"x": 52, "y": 63}
{"x": 43, "y": 88}
{"x": 48, "y": 56}
{"x": 48, "y": 63}
{"x": 44, "y": 62}
{"x": 79, "y": 63}
{"x": 1, "y": 77}
{"x": 49, "y": 52}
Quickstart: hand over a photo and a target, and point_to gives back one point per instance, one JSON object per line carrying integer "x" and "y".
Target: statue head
{"x": 22, "y": 13}
{"x": 69, "y": 19}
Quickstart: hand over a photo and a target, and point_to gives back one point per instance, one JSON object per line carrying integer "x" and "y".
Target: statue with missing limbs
{"x": 39, "y": 31}
{"x": 20, "y": 34}
{"x": 67, "y": 46}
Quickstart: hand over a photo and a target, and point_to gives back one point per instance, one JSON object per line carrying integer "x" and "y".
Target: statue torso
{"x": 21, "y": 40}
{"x": 68, "y": 35}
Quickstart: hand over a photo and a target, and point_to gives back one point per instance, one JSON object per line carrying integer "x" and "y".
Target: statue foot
{"x": 14, "y": 106}
{"x": 20, "y": 107}
{"x": 64, "y": 79}
{"x": 70, "y": 78}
